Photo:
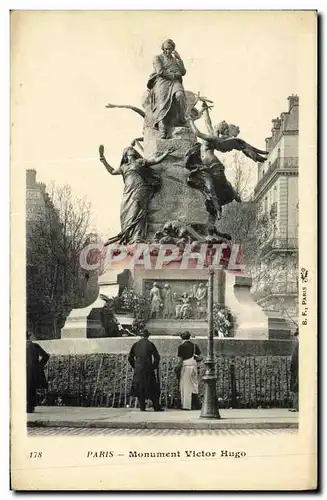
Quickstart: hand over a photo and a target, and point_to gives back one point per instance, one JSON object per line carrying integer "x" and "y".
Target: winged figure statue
{"x": 224, "y": 142}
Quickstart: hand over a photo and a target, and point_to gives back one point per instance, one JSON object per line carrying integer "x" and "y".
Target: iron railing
{"x": 291, "y": 162}
{"x": 105, "y": 380}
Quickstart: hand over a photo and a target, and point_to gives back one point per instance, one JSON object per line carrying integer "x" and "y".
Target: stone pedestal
{"x": 86, "y": 321}
{"x": 167, "y": 346}
{"x": 279, "y": 328}
{"x": 230, "y": 289}
{"x": 251, "y": 321}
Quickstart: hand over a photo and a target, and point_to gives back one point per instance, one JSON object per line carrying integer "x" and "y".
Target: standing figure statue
{"x": 155, "y": 299}
{"x": 186, "y": 309}
{"x": 167, "y": 96}
{"x": 141, "y": 182}
{"x": 168, "y": 302}
{"x": 200, "y": 296}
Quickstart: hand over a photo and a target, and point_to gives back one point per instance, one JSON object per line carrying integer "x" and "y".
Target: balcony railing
{"x": 279, "y": 244}
{"x": 283, "y": 243}
{"x": 290, "y": 162}
{"x": 277, "y": 288}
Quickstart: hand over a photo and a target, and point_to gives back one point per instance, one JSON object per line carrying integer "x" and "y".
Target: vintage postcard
{"x": 164, "y": 223}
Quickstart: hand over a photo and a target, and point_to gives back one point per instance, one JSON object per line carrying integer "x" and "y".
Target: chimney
{"x": 276, "y": 123}
{"x": 268, "y": 144}
{"x": 275, "y": 130}
{"x": 293, "y": 100}
{"x": 283, "y": 117}
{"x": 30, "y": 177}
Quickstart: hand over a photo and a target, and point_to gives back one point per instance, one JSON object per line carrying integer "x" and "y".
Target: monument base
{"x": 79, "y": 323}
{"x": 167, "y": 346}
{"x": 173, "y": 327}
{"x": 251, "y": 321}
{"x": 85, "y": 322}
{"x": 230, "y": 289}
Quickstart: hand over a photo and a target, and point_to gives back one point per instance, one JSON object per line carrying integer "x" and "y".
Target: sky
{"x": 67, "y": 65}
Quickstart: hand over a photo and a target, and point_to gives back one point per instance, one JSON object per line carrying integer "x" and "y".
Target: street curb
{"x": 217, "y": 424}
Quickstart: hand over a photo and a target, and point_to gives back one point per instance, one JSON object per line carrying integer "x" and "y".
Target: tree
{"x": 241, "y": 173}
{"x": 55, "y": 281}
{"x": 239, "y": 221}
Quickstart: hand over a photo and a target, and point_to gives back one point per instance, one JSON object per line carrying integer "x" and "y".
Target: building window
{"x": 275, "y": 194}
{"x": 266, "y": 204}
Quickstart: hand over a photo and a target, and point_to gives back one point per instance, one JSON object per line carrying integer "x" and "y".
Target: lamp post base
{"x": 210, "y": 404}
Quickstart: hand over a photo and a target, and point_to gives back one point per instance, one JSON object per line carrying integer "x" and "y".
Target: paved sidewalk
{"x": 128, "y": 418}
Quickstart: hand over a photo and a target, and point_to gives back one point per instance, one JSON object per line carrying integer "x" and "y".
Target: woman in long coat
{"x": 144, "y": 359}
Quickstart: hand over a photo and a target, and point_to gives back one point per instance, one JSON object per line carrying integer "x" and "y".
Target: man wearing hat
{"x": 144, "y": 359}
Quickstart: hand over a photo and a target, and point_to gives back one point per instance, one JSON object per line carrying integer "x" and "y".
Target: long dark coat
{"x": 144, "y": 359}
{"x": 36, "y": 359}
{"x": 294, "y": 382}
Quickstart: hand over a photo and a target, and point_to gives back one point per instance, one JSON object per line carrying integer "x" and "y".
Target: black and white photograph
{"x": 164, "y": 206}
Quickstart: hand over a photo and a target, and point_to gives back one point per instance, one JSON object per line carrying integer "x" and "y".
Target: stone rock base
{"x": 176, "y": 200}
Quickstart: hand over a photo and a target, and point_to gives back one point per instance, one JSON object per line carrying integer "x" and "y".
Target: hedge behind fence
{"x": 105, "y": 379}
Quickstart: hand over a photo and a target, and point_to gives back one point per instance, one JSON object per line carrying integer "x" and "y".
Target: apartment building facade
{"x": 277, "y": 204}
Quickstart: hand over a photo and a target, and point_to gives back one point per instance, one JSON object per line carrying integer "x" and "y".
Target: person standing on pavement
{"x": 294, "y": 381}
{"x": 144, "y": 359}
{"x": 189, "y": 355}
{"x": 36, "y": 359}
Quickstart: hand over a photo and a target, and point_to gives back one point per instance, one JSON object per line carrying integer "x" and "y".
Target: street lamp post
{"x": 210, "y": 404}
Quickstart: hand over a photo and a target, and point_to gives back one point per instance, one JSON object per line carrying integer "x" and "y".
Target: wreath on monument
{"x": 140, "y": 307}
{"x": 223, "y": 320}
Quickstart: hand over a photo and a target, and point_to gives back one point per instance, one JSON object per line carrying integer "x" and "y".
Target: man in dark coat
{"x": 144, "y": 359}
{"x": 36, "y": 359}
{"x": 294, "y": 382}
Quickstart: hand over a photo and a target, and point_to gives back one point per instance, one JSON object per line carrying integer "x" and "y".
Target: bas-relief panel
{"x": 176, "y": 299}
